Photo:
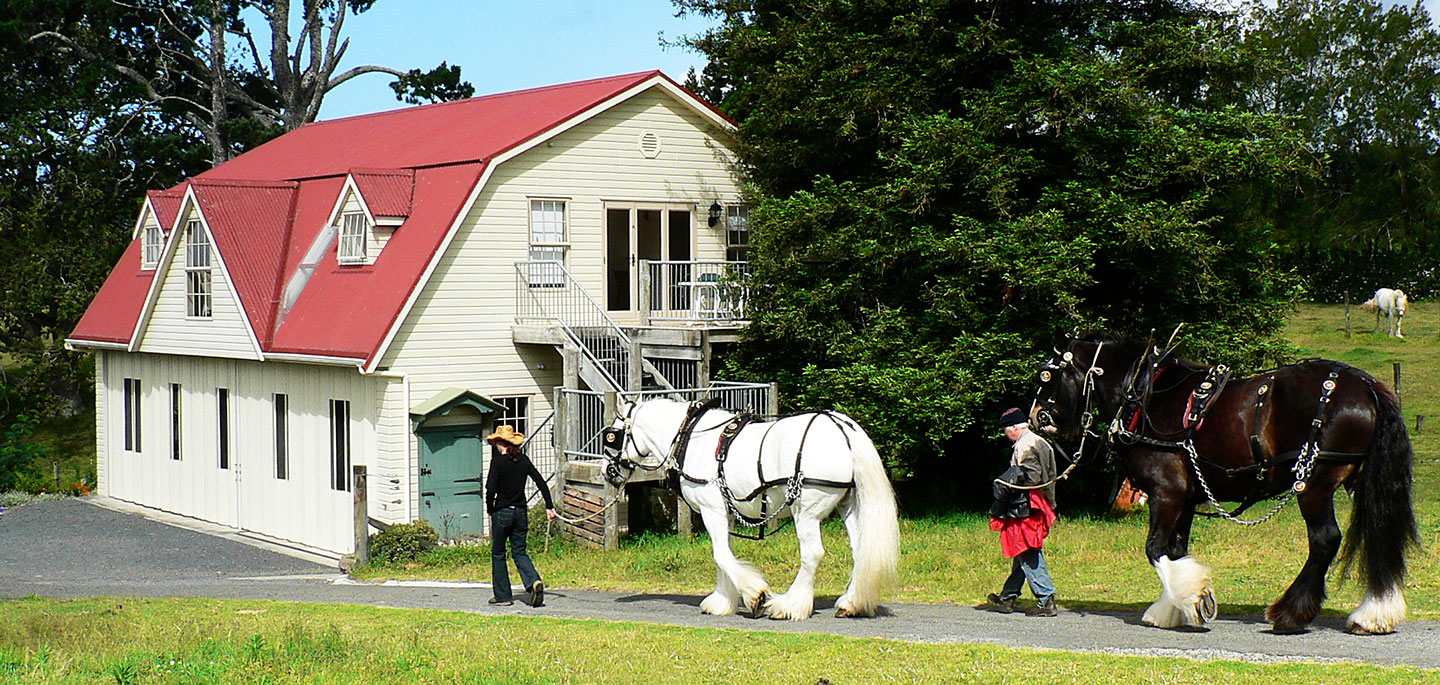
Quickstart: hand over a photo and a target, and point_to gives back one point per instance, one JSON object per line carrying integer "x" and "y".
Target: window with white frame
{"x": 340, "y": 445}
{"x": 153, "y": 245}
{"x": 737, "y": 233}
{"x": 547, "y": 243}
{"x": 132, "y": 414}
{"x": 197, "y": 271}
{"x": 353, "y": 230}
{"x": 516, "y": 413}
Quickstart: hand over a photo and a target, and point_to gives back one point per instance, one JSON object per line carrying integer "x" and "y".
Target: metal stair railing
{"x": 546, "y": 292}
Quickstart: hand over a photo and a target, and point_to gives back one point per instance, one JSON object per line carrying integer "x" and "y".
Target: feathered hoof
{"x": 1356, "y": 629}
{"x": 717, "y": 605}
{"x": 782, "y": 608}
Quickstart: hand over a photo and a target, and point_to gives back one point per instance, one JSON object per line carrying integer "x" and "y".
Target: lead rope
{"x": 1086, "y": 423}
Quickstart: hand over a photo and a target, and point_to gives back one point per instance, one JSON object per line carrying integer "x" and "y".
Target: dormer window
{"x": 197, "y": 271}
{"x": 353, "y": 233}
{"x": 154, "y": 243}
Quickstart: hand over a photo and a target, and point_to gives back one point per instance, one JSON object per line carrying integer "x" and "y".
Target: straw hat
{"x": 506, "y": 432}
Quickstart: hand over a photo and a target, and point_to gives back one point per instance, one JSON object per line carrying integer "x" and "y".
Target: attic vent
{"x": 649, "y": 145}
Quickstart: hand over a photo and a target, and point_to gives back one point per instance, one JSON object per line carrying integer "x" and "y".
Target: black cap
{"x": 1011, "y": 417}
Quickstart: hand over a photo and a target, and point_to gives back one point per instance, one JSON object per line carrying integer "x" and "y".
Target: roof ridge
{"x": 492, "y": 96}
{"x": 243, "y": 183}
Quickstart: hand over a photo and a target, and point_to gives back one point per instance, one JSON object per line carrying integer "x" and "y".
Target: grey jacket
{"x": 1033, "y": 456}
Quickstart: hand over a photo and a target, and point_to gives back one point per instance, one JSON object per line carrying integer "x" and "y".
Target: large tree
{"x": 78, "y": 147}
{"x": 944, "y": 187}
{"x": 200, "y": 61}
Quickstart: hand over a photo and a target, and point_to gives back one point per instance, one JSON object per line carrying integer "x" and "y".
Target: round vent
{"x": 649, "y": 145}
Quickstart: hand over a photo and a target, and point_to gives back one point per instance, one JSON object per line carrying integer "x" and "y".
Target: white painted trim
{"x": 163, "y": 266}
{"x": 145, "y": 209}
{"x": 358, "y": 362}
{"x": 490, "y": 165}
{"x": 74, "y": 344}
{"x": 340, "y": 202}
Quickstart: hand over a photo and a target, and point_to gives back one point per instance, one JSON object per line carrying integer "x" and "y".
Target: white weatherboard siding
{"x": 169, "y": 331}
{"x": 102, "y": 474}
{"x": 391, "y": 496}
{"x": 459, "y": 331}
{"x": 303, "y": 508}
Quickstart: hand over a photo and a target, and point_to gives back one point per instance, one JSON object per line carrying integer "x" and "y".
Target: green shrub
{"x": 18, "y": 453}
{"x": 402, "y": 542}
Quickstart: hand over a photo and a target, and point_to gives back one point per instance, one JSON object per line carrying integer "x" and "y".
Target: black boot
{"x": 1045, "y": 607}
{"x": 1004, "y": 605}
{"x": 537, "y": 594}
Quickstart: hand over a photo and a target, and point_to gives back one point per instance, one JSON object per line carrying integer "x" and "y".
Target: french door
{"x": 641, "y": 232}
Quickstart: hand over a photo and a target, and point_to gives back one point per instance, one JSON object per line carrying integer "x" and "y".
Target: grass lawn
{"x": 227, "y": 641}
{"x": 1097, "y": 561}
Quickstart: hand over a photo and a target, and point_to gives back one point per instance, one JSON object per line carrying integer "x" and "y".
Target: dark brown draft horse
{"x": 1187, "y": 433}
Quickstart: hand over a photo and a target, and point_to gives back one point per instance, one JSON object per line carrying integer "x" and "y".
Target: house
{"x": 380, "y": 290}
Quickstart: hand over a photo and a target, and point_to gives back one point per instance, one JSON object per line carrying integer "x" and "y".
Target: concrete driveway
{"x": 73, "y": 548}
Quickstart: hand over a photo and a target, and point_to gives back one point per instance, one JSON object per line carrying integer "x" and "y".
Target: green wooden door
{"x": 451, "y": 481}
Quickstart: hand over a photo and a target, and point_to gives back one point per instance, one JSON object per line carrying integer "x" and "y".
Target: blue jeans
{"x": 1029, "y": 565}
{"x": 511, "y": 523}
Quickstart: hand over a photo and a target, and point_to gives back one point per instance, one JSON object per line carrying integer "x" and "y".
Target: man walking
{"x": 1024, "y": 516}
{"x": 509, "y": 517}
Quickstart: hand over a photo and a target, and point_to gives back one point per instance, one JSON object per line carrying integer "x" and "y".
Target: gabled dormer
{"x": 157, "y": 217}
{"x": 372, "y": 204}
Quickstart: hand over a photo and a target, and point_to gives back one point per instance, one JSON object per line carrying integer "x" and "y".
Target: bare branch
{"x": 352, "y": 73}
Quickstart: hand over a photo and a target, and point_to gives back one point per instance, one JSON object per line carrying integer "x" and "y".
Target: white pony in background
{"x": 840, "y": 470}
{"x": 1390, "y": 304}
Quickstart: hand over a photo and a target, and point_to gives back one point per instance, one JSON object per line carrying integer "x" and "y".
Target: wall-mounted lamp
{"x": 715, "y": 210}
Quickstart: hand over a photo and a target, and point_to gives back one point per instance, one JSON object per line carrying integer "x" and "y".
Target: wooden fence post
{"x": 1347, "y": 314}
{"x": 612, "y": 513}
{"x": 362, "y": 517}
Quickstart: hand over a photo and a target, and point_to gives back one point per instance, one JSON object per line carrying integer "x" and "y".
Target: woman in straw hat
{"x": 509, "y": 518}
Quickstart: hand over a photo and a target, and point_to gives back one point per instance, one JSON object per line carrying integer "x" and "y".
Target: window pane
{"x": 282, "y": 437}
{"x": 340, "y": 444}
{"x": 223, "y": 410}
{"x": 175, "y": 421}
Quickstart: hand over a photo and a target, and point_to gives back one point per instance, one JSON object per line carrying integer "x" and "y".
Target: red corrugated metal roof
{"x": 432, "y": 135}
{"x": 267, "y": 208}
{"x": 345, "y": 311}
{"x": 167, "y": 205}
{"x": 387, "y": 192}
{"x": 111, "y": 316}
{"x": 250, "y": 222}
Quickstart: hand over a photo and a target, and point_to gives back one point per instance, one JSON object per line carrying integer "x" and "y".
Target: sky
{"x": 504, "y": 45}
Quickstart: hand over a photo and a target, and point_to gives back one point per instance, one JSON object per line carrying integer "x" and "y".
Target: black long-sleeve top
{"x": 505, "y": 486}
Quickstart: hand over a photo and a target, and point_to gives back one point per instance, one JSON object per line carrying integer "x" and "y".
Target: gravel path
{"x": 72, "y": 548}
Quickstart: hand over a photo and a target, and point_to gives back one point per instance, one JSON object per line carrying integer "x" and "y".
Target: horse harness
{"x": 731, "y": 430}
{"x": 1201, "y": 400}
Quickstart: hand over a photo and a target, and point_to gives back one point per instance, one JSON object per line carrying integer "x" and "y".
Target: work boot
{"x": 537, "y": 594}
{"x": 1045, "y": 607}
{"x": 995, "y": 602}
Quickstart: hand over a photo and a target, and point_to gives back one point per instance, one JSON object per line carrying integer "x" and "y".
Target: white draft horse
{"x": 1390, "y": 304}
{"x": 838, "y": 470}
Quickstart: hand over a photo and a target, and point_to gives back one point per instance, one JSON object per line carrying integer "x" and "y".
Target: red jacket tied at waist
{"x": 1018, "y": 535}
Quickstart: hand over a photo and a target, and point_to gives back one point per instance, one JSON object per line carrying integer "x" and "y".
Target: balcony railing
{"x": 696, "y": 290}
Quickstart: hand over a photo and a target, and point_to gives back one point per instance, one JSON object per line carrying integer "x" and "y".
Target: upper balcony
{"x": 674, "y": 300}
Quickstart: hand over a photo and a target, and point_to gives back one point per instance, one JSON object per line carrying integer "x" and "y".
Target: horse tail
{"x": 877, "y": 549}
{"x": 1382, "y": 519}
